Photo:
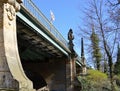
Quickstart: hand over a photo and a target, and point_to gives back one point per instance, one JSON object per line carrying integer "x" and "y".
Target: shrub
{"x": 94, "y": 81}
{"x": 117, "y": 79}
{"x": 96, "y": 76}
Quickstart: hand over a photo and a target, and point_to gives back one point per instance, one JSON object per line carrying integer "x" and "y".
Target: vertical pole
{"x": 83, "y": 58}
{"x": 82, "y": 48}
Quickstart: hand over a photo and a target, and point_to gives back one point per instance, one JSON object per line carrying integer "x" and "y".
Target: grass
{"x": 94, "y": 81}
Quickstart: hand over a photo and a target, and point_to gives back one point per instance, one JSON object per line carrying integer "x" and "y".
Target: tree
{"x": 114, "y": 2}
{"x": 97, "y": 14}
{"x": 117, "y": 64}
{"x": 114, "y": 12}
{"x": 96, "y": 50}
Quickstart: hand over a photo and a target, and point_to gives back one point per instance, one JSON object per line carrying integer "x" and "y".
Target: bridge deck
{"x": 35, "y": 19}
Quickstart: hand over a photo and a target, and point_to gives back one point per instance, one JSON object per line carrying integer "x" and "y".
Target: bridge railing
{"x": 31, "y": 7}
{"x": 78, "y": 60}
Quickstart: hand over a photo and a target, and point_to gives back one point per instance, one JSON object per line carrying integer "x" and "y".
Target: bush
{"x": 94, "y": 81}
{"x": 96, "y": 76}
{"x": 117, "y": 79}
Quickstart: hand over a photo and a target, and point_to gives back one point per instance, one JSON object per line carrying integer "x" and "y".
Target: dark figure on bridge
{"x": 70, "y": 38}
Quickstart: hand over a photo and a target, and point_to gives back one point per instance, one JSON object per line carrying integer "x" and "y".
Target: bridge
{"x": 33, "y": 54}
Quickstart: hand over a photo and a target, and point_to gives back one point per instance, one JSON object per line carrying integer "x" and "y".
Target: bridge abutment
{"x": 70, "y": 73}
{"x": 12, "y": 76}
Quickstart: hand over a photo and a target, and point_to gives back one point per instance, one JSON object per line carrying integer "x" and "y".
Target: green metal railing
{"x": 31, "y": 7}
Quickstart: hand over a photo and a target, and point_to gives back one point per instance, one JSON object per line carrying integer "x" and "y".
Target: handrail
{"x": 31, "y": 7}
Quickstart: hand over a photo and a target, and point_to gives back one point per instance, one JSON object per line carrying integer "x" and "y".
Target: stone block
{"x": 7, "y": 81}
{"x": 3, "y": 64}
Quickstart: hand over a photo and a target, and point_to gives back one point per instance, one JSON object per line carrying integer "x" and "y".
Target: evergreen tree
{"x": 96, "y": 50}
{"x": 117, "y": 64}
{"x": 105, "y": 66}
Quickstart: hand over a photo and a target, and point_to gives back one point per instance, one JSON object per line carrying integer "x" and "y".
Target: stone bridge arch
{"x": 12, "y": 76}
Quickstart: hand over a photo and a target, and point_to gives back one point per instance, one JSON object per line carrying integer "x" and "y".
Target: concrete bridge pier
{"x": 71, "y": 64}
{"x": 70, "y": 73}
{"x": 12, "y": 77}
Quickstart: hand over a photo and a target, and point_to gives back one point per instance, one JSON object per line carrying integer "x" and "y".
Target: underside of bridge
{"x": 42, "y": 62}
{"x": 42, "y": 57}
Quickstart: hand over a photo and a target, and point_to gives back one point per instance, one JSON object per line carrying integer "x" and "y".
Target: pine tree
{"x": 105, "y": 66}
{"x": 117, "y": 64}
{"x": 96, "y": 50}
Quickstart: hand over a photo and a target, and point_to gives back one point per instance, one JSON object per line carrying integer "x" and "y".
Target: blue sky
{"x": 67, "y": 15}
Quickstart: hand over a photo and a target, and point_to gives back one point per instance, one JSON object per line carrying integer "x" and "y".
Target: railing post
{"x": 12, "y": 76}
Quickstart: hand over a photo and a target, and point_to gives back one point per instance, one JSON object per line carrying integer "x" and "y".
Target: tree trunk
{"x": 111, "y": 72}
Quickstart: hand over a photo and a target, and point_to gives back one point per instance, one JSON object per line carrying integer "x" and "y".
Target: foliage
{"x": 107, "y": 26}
{"x": 117, "y": 64}
{"x": 96, "y": 76}
{"x": 95, "y": 81}
{"x": 96, "y": 50}
{"x": 117, "y": 81}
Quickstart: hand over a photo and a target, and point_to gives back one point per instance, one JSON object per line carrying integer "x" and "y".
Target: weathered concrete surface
{"x": 11, "y": 73}
{"x": 70, "y": 74}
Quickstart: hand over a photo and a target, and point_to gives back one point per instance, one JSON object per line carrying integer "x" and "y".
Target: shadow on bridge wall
{"x": 51, "y": 74}
{"x": 37, "y": 79}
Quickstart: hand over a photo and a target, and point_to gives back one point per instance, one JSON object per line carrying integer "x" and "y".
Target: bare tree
{"x": 114, "y": 11}
{"x": 97, "y": 14}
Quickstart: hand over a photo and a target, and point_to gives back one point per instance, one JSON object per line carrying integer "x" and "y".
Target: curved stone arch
{"x": 9, "y": 53}
{"x": 37, "y": 79}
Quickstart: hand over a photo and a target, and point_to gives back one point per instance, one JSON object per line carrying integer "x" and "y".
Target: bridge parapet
{"x": 31, "y": 7}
